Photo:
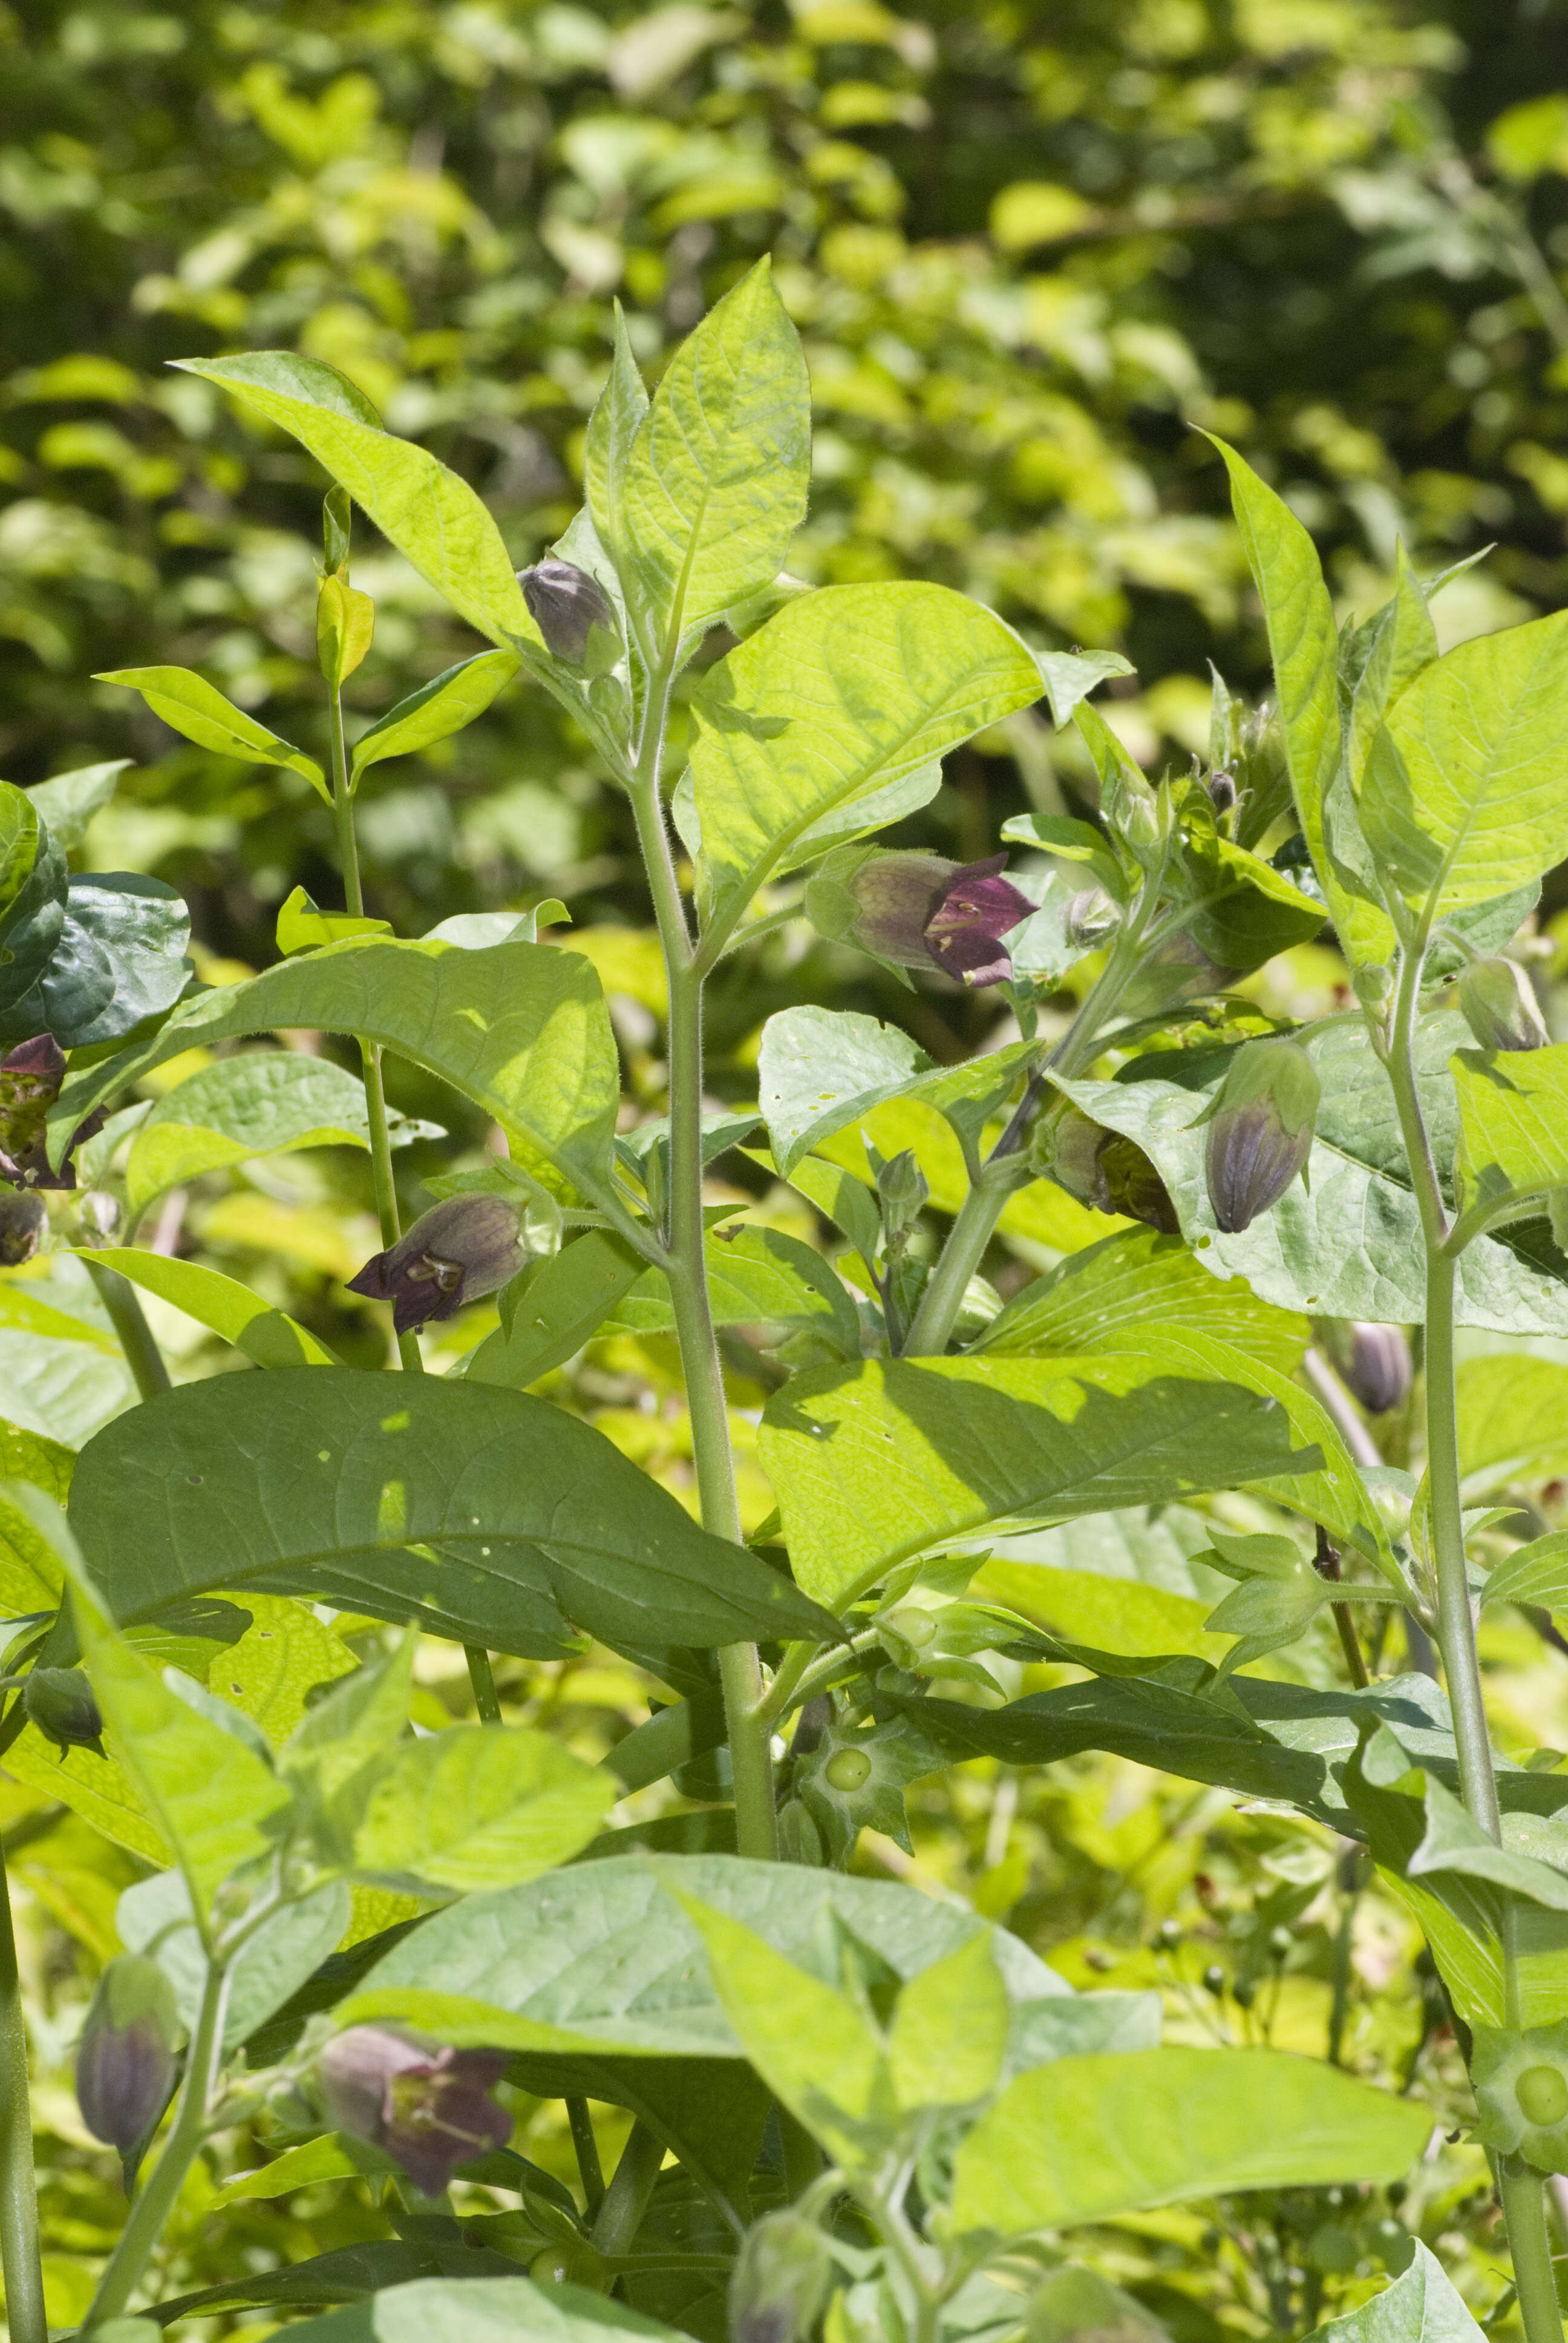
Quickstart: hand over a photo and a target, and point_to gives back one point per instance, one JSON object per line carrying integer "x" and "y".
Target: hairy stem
{"x": 129, "y": 1321}
{"x": 1524, "y": 2194}
{"x": 151, "y": 2211}
{"x": 18, "y": 2187}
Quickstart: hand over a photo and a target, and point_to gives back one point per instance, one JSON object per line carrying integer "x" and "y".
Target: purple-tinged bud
{"x": 429, "y": 2108}
{"x": 22, "y": 1220}
{"x": 914, "y": 908}
{"x": 1222, "y": 791}
{"x": 565, "y": 605}
{"x": 1500, "y": 1006}
{"x": 1105, "y": 1171}
{"x": 60, "y": 1703}
{"x": 1374, "y": 1364}
{"x": 30, "y": 1079}
{"x": 125, "y": 2063}
{"x": 1260, "y": 1130}
{"x": 462, "y": 1249}
{"x": 1089, "y": 917}
{"x": 780, "y": 2280}
{"x": 964, "y": 933}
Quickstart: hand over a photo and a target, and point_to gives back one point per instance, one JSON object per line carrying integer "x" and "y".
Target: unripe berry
{"x": 848, "y": 1772}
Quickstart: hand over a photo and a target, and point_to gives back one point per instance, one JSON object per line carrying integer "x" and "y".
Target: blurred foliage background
{"x": 1028, "y": 245}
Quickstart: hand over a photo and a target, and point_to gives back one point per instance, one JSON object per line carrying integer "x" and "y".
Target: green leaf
{"x": 1075, "y": 842}
{"x": 876, "y": 1464}
{"x": 842, "y": 693}
{"x": 433, "y": 517}
{"x": 612, "y": 431}
{"x": 119, "y": 959}
{"x": 30, "y": 1578}
{"x": 155, "y": 1917}
{"x": 491, "y": 1517}
{"x": 709, "y": 2112}
{"x": 1350, "y": 1246}
{"x": 282, "y": 1661}
{"x": 1462, "y": 799}
{"x": 1513, "y": 1421}
{"x": 1535, "y": 1573}
{"x": 478, "y": 2309}
{"x": 335, "y": 2156}
{"x": 601, "y": 1957}
{"x": 303, "y": 926}
{"x": 66, "y": 802}
{"x": 1085, "y": 2139}
{"x": 268, "y": 1336}
{"x": 949, "y": 2032}
{"x": 435, "y": 711}
{"x": 1071, "y": 676}
{"x": 189, "y": 704}
{"x": 484, "y": 1805}
{"x": 713, "y": 487}
{"x": 555, "y": 1306}
{"x": 215, "y": 1801}
{"x": 820, "y": 1070}
{"x": 520, "y": 1029}
{"x": 264, "y": 1103}
{"x": 1512, "y": 1124}
{"x": 756, "y": 1276}
{"x": 368, "y": 2276}
{"x": 1420, "y": 2305}
{"x": 1108, "y": 1297}
{"x": 1453, "y": 1844}
{"x": 839, "y": 1197}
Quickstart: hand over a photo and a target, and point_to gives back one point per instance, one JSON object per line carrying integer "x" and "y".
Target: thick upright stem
{"x": 128, "y": 1319}
{"x": 626, "y": 2199}
{"x": 1524, "y": 2194}
{"x": 150, "y": 2213}
{"x": 18, "y": 2187}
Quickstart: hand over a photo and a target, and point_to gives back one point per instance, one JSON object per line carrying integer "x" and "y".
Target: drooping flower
{"x": 30, "y": 1078}
{"x": 780, "y": 2280}
{"x": 462, "y": 1249}
{"x": 430, "y": 2109}
{"x": 565, "y": 605}
{"x": 915, "y": 909}
{"x": 125, "y": 2062}
{"x": 1374, "y": 1362}
{"x": 1499, "y": 1005}
{"x": 1260, "y": 1130}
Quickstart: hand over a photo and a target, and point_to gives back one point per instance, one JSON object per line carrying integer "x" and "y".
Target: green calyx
{"x": 1520, "y": 2083}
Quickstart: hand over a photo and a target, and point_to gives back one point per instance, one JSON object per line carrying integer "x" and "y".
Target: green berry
{"x": 850, "y": 1771}
{"x": 1542, "y": 2094}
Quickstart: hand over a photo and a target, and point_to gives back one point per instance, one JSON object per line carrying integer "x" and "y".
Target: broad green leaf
{"x": 66, "y": 802}
{"x": 1420, "y": 2305}
{"x": 849, "y": 1203}
{"x": 284, "y": 1660}
{"x": 484, "y": 1805}
{"x": 209, "y": 1794}
{"x": 876, "y": 1464}
{"x": 269, "y": 1336}
{"x": 1350, "y": 1246}
{"x": 436, "y": 711}
{"x": 478, "y": 2309}
{"x": 1453, "y": 1844}
{"x": 30, "y": 1577}
{"x": 1071, "y": 676}
{"x": 756, "y": 1276}
{"x": 1242, "y": 911}
{"x": 810, "y": 2043}
{"x": 337, "y": 1749}
{"x": 1512, "y": 1124}
{"x": 335, "y": 2156}
{"x": 1302, "y": 643}
{"x": 612, "y": 431}
{"x": 556, "y": 1305}
{"x": 843, "y": 692}
{"x": 1460, "y": 800}
{"x": 119, "y": 958}
{"x": 433, "y": 517}
{"x": 1109, "y": 1296}
{"x": 189, "y": 704}
{"x": 1114, "y": 1614}
{"x": 601, "y": 1957}
{"x": 1537, "y": 1573}
{"x": 820, "y": 1070}
{"x": 155, "y": 1917}
{"x": 34, "y": 882}
{"x": 487, "y": 1515}
{"x": 1512, "y": 1419}
{"x": 303, "y": 926}
{"x": 713, "y": 486}
{"x": 1087, "y": 2138}
{"x": 360, "y": 2274}
{"x": 949, "y": 2032}
{"x": 61, "y": 1388}
{"x": 520, "y": 1029}
{"x": 264, "y": 1103}
{"x": 1074, "y": 841}
{"x": 712, "y": 2113}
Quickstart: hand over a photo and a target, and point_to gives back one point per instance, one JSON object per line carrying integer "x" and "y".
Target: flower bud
{"x": 914, "y": 908}
{"x": 1104, "y": 1170}
{"x": 125, "y": 2063}
{"x": 429, "y": 2108}
{"x": 59, "y": 1702}
{"x": 565, "y": 605}
{"x": 336, "y": 522}
{"x": 780, "y": 2280}
{"x": 1261, "y": 1130}
{"x": 463, "y": 1248}
{"x": 1373, "y": 986}
{"x": 1500, "y": 1006}
{"x": 1222, "y": 791}
{"x": 1091, "y": 916}
{"x": 21, "y": 1222}
{"x": 1374, "y": 1364}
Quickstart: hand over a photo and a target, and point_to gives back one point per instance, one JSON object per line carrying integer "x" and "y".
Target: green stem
{"x": 1524, "y": 2194}
{"x": 121, "y": 1300}
{"x": 486, "y": 1699}
{"x": 18, "y": 2186}
{"x": 151, "y": 2211}
{"x": 586, "y": 2147}
{"x": 626, "y": 2197}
